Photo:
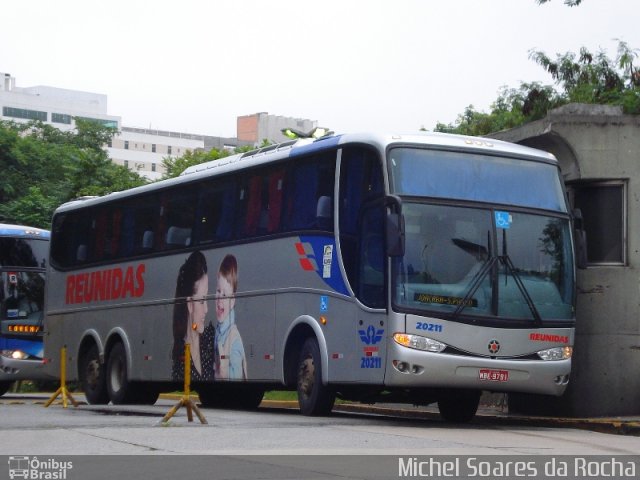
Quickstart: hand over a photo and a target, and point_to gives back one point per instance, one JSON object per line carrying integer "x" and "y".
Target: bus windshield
{"x": 484, "y": 262}
{"x": 23, "y": 252}
{"x": 22, "y": 264}
{"x": 475, "y": 177}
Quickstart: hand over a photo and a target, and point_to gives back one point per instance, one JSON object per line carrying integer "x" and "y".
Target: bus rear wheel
{"x": 314, "y": 397}
{"x": 121, "y": 390}
{"x": 459, "y": 406}
{"x": 92, "y": 379}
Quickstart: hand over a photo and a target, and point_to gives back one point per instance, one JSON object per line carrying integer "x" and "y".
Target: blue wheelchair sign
{"x": 503, "y": 219}
{"x": 324, "y": 303}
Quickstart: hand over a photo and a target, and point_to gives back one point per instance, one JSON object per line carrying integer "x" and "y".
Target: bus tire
{"x": 92, "y": 379}
{"x": 5, "y": 386}
{"x": 459, "y": 406}
{"x": 314, "y": 397}
{"x": 121, "y": 390}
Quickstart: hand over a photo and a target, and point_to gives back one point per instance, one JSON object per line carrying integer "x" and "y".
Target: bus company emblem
{"x": 371, "y": 336}
{"x": 494, "y": 346}
{"x": 307, "y": 257}
{"x": 545, "y": 337}
{"x": 109, "y": 284}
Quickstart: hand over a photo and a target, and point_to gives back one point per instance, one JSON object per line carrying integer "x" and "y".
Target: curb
{"x": 485, "y": 415}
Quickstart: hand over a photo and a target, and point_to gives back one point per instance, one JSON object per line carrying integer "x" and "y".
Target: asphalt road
{"x": 29, "y": 429}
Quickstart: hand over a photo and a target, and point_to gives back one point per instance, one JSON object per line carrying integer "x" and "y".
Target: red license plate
{"x": 491, "y": 375}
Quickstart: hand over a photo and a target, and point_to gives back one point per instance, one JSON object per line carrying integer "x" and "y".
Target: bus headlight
{"x": 418, "y": 342}
{"x": 15, "y": 354}
{"x": 556, "y": 353}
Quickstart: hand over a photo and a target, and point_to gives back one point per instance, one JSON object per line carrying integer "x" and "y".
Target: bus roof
{"x": 7, "y": 230}
{"x": 305, "y": 146}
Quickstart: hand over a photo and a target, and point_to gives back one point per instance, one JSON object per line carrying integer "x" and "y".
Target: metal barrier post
{"x": 62, "y": 390}
{"x": 186, "y": 401}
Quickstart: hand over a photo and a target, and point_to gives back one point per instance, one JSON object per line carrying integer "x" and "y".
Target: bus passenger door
{"x": 370, "y": 289}
{"x": 361, "y": 221}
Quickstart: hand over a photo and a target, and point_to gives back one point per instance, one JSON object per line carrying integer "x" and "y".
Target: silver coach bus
{"x": 421, "y": 268}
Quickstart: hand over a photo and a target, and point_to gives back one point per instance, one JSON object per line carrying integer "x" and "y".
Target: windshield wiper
{"x": 506, "y": 261}
{"x": 480, "y": 275}
{"x": 478, "y": 278}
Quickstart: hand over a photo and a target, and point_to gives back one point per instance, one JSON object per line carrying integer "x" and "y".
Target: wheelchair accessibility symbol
{"x": 324, "y": 304}
{"x": 503, "y": 220}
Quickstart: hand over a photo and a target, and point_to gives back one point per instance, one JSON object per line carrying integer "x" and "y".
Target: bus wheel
{"x": 314, "y": 397}
{"x": 460, "y": 406}
{"x": 120, "y": 390}
{"x": 92, "y": 379}
{"x": 4, "y": 387}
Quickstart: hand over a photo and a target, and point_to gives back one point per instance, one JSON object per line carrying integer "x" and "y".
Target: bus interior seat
{"x": 81, "y": 253}
{"x": 147, "y": 240}
{"x": 324, "y": 212}
{"x": 179, "y": 236}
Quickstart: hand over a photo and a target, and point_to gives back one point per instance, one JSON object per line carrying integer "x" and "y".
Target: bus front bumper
{"x": 407, "y": 367}
{"x": 12, "y": 369}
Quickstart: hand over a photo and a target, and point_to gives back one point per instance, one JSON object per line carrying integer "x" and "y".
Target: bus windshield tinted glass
{"x": 482, "y": 262}
{"x": 23, "y": 252}
{"x": 21, "y": 296}
{"x": 475, "y": 177}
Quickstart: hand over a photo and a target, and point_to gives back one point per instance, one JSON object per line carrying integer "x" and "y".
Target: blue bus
{"x": 23, "y": 261}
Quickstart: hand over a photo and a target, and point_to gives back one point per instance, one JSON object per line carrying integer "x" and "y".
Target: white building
{"x": 143, "y": 150}
{"x": 139, "y": 149}
{"x": 55, "y": 106}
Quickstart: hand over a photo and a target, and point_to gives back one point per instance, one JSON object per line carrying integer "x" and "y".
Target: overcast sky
{"x": 352, "y": 65}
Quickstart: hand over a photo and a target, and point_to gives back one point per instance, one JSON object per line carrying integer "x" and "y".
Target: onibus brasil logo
{"x": 37, "y": 469}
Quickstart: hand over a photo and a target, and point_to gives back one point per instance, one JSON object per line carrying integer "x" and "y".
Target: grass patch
{"x": 282, "y": 396}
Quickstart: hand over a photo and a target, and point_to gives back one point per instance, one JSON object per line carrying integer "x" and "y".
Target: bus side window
{"x": 361, "y": 180}
{"x": 254, "y": 205}
{"x": 274, "y": 209}
{"x": 144, "y": 212}
{"x": 372, "y": 256}
{"x": 312, "y": 179}
{"x": 178, "y": 214}
{"x": 224, "y": 230}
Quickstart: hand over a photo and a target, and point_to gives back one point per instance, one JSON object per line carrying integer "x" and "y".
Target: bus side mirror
{"x": 395, "y": 234}
{"x": 580, "y": 235}
{"x": 394, "y": 227}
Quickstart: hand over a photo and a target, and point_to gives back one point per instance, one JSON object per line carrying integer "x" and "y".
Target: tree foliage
{"x": 570, "y": 3}
{"x": 583, "y": 78}
{"x": 174, "y": 166}
{"x": 43, "y": 167}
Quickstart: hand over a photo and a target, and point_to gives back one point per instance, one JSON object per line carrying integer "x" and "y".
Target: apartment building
{"x": 56, "y": 106}
{"x": 139, "y": 149}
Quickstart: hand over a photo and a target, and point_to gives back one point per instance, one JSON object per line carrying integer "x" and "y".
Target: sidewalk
{"x": 486, "y": 414}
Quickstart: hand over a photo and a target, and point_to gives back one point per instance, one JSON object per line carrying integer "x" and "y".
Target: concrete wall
{"x": 598, "y": 143}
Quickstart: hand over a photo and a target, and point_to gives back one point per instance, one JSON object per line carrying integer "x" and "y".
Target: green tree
{"x": 583, "y": 78}
{"x": 595, "y": 78}
{"x": 43, "y": 167}
{"x": 571, "y": 3}
{"x": 174, "y": 166}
